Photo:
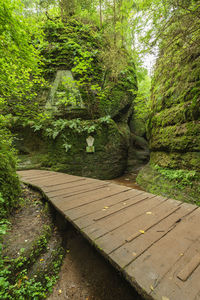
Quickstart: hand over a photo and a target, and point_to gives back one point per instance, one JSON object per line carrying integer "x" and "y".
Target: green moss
{"x": 137, "y": 126}
{"x": 177, "y": 114}
{"x": 84, "y": 50}
{"x": 28, "y": 257}
{"x": 177, "y": 184}
{"x": 177, "y": 137}
{"x": 108, "y": 161}
{"x": 176, "y": 160}
{"x": 174, "y": 124}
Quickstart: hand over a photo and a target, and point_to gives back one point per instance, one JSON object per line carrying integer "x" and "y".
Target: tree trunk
{"x": 100, "y": 7}
{"x": 114, "y": 21}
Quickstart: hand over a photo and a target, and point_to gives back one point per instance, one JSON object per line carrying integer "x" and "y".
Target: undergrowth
{"x": 14, "y": 281}
{"x": 181, "y": 177}
{"x": 58, "y": 127}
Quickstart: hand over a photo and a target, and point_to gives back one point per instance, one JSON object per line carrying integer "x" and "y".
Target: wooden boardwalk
{"x": 153, "y": 241}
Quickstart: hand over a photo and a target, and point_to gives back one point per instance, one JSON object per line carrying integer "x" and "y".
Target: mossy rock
{"x": 109, "y": 160}
{"x": 137, "y": 126}
{"x": 183, "y": 137}
{"x": 31, "y": 161}
{"x": 28, "y": 141}
{"x": 174, "y": 126}
{"x": 176, "y": 160}
{"x": 177, "y": 114}
{"x": 82, "y": 49}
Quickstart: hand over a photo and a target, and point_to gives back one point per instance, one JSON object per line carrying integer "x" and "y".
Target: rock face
{"x": 176, "y": 145}
{"x": 68, "y": 152}
{"x": 108, "y": 160}
{"x": 138, "y": 154}
{"x": 86, "y": 97}
{"x": 64, "y": 91}
{"x": 174, "y": 127}
{"x": 105, "y": 78}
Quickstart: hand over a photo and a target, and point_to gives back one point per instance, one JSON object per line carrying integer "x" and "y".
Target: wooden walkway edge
{"x": 152, "y": 240}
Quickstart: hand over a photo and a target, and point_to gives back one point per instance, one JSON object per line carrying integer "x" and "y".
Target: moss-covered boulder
{"x": 174, "y": 126}
{"x": 61, "y": 145}
{"x": 68, "y": 150}
{"x": 92, "y": 86}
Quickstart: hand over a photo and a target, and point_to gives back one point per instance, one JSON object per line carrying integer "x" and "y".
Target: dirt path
{"x": 129, "y": 180}
{"x": 85, "y": 275}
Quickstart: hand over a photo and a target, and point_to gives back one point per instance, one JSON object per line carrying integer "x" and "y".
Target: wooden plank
{"x": 175, "y": 288}
{"x": 88, "y": 186}
{"x": 64, "y": 185}
{"x": 87, "y": 209}
{"x": 57, "y": 177}
{"x": 103, "y": 226}
{"x": 33, "y": 173}
{"x": 40, "y": 176}
{"x": 128, "y": 252}
{"x": 66, "y": 177}
{"x": 162, "y": 256}
{"x": 56, "y": 181}
{"x": 106, "y": 210}
{"x": 189, "y": 268}
{"x": 135, "y": 227}
{"x": 47, "y": 175}
{"x": 77, "y": 190}
{"x": 63, "y": 204}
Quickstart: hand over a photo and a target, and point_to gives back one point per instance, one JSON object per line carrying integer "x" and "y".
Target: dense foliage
{"x": 9, "y": 182}
{"x": 19, "y": 61}
{"x": 102, "y": 43}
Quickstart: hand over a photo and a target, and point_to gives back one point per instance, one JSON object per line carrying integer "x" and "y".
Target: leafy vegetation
{"x": 102, "y": 43}
{"x": 15, "y": 281}
{"x": 182, "y": 176}
{"x": 9, "y": 182}
{"x": 19, "y": 61}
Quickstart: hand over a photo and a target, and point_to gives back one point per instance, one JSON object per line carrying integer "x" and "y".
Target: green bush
{"x": 9, "y": 181}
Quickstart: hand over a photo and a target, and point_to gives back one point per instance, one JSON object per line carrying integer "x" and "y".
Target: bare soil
{"x": 86, "y": 275}
{"x": 27, "y": 222}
